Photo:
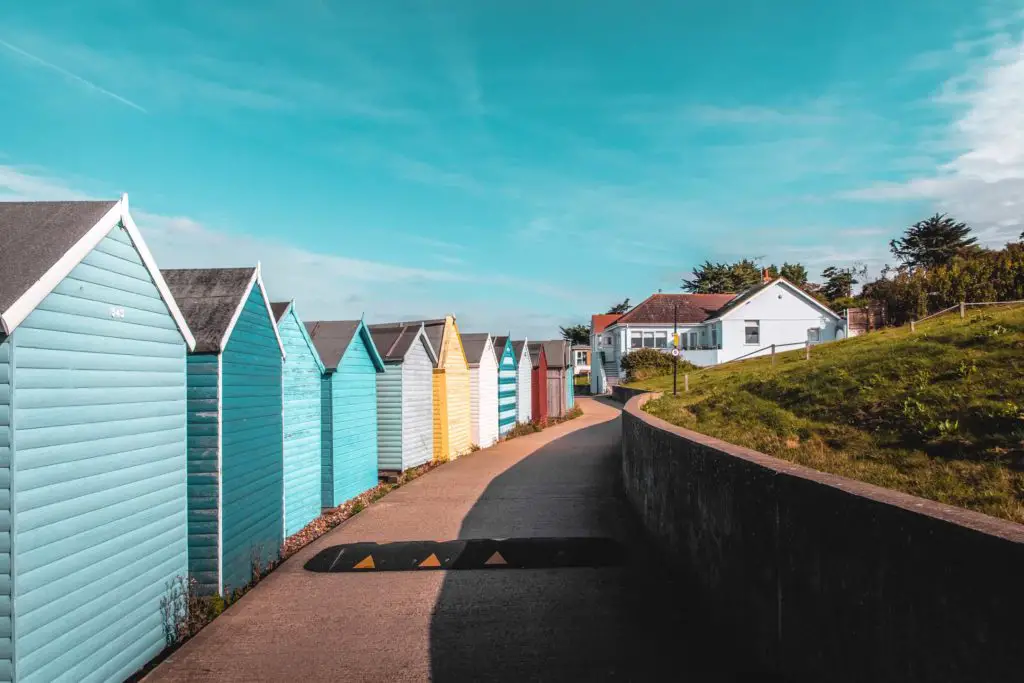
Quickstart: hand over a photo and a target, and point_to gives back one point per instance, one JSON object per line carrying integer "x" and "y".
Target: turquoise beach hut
{"x": 235, "y": 449}
{"x": 507, "y": 384}
{"x": 303, "y": 371}
{"x": 348, "y": 394}
{"x": 92, "y": 443}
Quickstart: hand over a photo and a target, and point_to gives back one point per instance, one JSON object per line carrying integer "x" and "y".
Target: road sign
{"x": 675, "y": 352}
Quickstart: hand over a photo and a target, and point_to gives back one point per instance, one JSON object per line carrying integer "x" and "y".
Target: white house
{"x": 713, "y": 328}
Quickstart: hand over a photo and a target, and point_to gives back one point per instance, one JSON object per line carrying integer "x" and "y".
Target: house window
{"x": 649, "y": 340}
{"x": 581, "y": 358}
{"x": 814, "y": 334}
{"x": 693, "y": 340}
{"x": 661, "y": 340}
{"x": 753, "y": 332}
{"x": 714, "y": 337}
{"x": 636, "y": 340}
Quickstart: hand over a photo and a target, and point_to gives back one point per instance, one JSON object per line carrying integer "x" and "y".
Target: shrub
{"x": 644, "y": 363}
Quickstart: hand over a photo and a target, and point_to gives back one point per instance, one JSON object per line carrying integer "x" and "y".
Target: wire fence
{"x": 962, "y": 309}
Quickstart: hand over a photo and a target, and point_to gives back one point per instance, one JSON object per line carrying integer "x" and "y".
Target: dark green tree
{"x": 723, "y": 278}
{"x": 795, "y": 273}
{"x": 620, "y": 308}
{"x": 933, "y": 242}
{"x": 839, "y": 281}
{"x": 576, "y": 334}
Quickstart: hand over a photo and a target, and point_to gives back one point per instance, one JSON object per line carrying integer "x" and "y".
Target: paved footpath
{"x": 625, "y": 622}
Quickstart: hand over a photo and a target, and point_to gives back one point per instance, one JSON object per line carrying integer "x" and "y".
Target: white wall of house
{"x": 781, "y": 316}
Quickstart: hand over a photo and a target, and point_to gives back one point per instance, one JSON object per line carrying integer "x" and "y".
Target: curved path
{"x": 621, "y": 622}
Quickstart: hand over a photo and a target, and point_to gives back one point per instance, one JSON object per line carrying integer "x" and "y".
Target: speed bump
{"x": 480, "y": 553}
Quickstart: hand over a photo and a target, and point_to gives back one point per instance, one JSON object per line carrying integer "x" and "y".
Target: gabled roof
{"x": 435, "y": 330}
{"x": 333, "y": 337}
{"x": 500, "y": 342}
{"x": 599, "y": 322}
{"x": 212, "y": 299}
{"x": 281, "y": 309}
{"x": 475, "y": 344}
{"x": 395, "y": 340}
{"x": 749, "y": 294}
{"x": 557, "y": 352}
{"x": 44, "y": 241}
{"x": 517, "y": 349}
{"x": 660, "y": 308}
{"x": 536, "y": 352}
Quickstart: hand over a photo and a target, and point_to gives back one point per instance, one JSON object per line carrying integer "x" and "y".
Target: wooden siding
{"x": 6, "y": 625}
{"x": 507, "y": 385}
{"x": 204, "y": 471}
{"x": 99, "y": 492}
{"x": 252, "y": 455}
{"x": 417, "y": 406}
{"x": 441, "y": 443}
{"x": 539, "y": 389}
{"x": 524, "y": 390}
{"x": 570, "y": 393}
{"x": 353, "y": 425}
{"x": 302, "y": 425}
{"x": 326, "y": 441}
{"x": 389, "y": 417}
{"x": 483, "y": 399}
{"x": 556, "y": 392}
{"x": 456, "y": 393}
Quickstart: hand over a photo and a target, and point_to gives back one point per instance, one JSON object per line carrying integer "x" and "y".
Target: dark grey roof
{"x": 35, "y": 235}
{"x": 557, "y": 353}
{"x": 394, "y": 340}
{"x": 279, "y": 307}
{"x": 517, "y": 349}
{"x": 474, "y": 344}
{"x": 434, "y": 330}
{"x": 331, "y": 338}
{"x": 208, "y": 298}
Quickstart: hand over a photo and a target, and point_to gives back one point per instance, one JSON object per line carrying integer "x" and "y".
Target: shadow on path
{"x": 625, "y": 622}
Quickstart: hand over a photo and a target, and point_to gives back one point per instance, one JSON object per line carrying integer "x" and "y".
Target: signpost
{"x": 675, "y": 347}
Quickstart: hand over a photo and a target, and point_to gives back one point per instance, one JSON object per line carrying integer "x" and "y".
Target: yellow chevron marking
{"x": 431, "y": 561}
{"x": 495, "y": 559}
{"x": 366, "y": 563}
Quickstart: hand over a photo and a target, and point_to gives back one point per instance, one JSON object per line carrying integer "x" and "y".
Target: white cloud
{"x": 983, "y": 182}
{"x": 327, "y": 285}
{"x": 73, "y": 76}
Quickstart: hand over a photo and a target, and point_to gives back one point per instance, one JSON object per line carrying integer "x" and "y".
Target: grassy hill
{"x": 938, "y": 413}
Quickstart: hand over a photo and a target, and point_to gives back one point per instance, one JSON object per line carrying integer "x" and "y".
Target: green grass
{"x": 938, "y": 413}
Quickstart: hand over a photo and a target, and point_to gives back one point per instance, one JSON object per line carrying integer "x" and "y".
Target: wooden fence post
{"x": 686, "y": 382}
{"x": 807, "y": 350}
{"x": 963, "y": 310}
{"x": 773, "y": 355}
{"x": 912, "y": 326}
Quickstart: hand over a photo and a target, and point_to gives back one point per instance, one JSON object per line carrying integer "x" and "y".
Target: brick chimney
{"x": 765, "y": 277}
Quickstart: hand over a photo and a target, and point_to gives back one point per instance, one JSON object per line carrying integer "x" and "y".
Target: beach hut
{"x": 235, "y": 434}
{"x": 538, "y": 382}
{"x": 557, "y": 356}
{"x": 452, "y": 416}
{"x": 405, "y": 397}
{"x": 483, "y": 388}
{"x": 303, "y": 371}
{"x": 507, "y": 384}
{"x": 348, "y": 394}
{"x": 524, "y": 381}
{"x": 92, "y": 443}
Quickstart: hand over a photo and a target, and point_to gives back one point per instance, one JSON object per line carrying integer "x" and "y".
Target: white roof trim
{"x": 20, "y": 309}
{"x": 256, "y": 280}
{"x": 779, "y": 281}
{"x": 154, "y": 271}
{"x": 422, "y": 334}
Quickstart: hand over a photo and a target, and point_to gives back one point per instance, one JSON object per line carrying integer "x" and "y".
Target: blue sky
{"x": 521, "y": 165}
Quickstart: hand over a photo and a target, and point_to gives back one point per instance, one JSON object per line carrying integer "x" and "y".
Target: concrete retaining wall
{"x": 623, "y": 394}
{"x": 817, "y": 577}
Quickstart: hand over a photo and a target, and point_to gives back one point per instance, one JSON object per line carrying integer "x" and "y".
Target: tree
{"x": 724, "y": 278}
{"x": 933, "y": 242}
{"x": 839, "y": 282}
{"x": 620, "y": 308}
{"x": 795, "y": 273}
{"x": 576, "y": 334}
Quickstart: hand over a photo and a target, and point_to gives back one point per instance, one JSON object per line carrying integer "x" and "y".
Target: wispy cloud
{"x": 983, "y": 182}
{"x": 812, "y": 114}
{"x": 72, "y": 76}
